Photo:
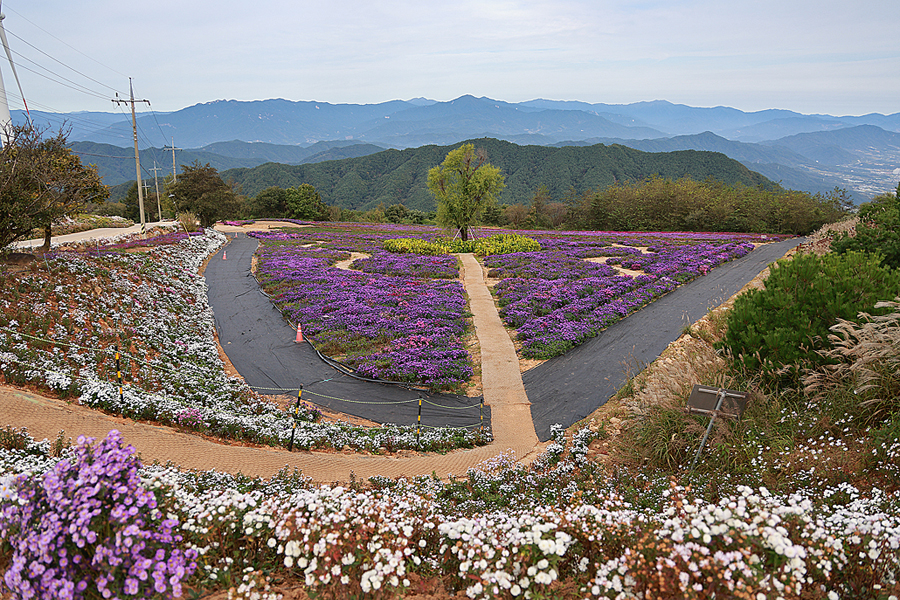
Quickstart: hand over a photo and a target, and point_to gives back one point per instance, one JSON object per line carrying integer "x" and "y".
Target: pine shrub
{"x": 781, "y": 329}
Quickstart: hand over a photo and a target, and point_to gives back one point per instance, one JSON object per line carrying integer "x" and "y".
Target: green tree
{"x": 462, "y": 186}
{"x": 538, "y": 217}
{"x": 304, "y": 202}
{"x": 132, "y": 205}
{"x": 878, "y": 229}
{"x": 396, "y": 213}
{"x": 271, "y": 202}
{"x": 41, "y": 180}
{"x": 201, "y": 191}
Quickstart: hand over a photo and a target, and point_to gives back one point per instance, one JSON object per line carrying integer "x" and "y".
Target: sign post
{"x": 715, "y": 402}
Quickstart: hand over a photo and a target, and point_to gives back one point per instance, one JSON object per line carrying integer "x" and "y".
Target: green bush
{"x": 779, "y": 330}
{"x": 501, "y": 243}
{"x": 414, "y": 246}
{"x": 878, "y": 230}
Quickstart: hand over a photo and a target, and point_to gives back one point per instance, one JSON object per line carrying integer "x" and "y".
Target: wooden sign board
{"x": 703, "y": 400}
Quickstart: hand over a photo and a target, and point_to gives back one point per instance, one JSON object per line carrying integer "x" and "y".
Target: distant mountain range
{"x": 809, "y": 152}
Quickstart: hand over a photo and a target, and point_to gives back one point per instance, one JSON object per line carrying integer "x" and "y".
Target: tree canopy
{"x": 201, "y": 191}
{"x": 41, "y": 180}
{"x": 463, "y": 185}
{"x": 304, "y": 202}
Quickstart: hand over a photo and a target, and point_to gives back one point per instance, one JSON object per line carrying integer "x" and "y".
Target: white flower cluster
{"x": 343, "y": 541}
{"x": 337, "y": 535}
{"x": 505, "y": 552}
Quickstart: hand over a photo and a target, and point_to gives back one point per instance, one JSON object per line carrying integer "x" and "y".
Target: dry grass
{"x": 869, "y": 358}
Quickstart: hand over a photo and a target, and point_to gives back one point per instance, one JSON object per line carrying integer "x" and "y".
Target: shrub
{"x": 501, "y": 243}
{"x": 414, "y": 246}
{"x": 780, "y": 329}
{"x": 87, "y": 529}
{"x": 878, "y": 230}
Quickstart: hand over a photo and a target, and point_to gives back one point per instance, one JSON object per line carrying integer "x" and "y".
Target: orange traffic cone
{"x": 224, "y": 254}
{"x": 299, "y": 334}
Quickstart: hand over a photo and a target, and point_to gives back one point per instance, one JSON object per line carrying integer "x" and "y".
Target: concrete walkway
{"x": 501, "y": 378}
{"x": 503, "y": 390}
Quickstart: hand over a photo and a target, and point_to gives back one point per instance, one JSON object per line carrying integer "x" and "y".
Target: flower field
{"x": 373, "y": 317}
{"x": 810, "y": 512}
{"x": 561, "y": 528}
{"x": 400, "y": 317}
{"x": 63, "y": 321}
{"x": 556, "y": 299}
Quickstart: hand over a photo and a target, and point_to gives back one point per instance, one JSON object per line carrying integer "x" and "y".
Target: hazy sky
{"x": 822, "y": 56}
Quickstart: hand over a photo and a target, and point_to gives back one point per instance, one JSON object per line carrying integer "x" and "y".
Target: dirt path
{"x": 511, "y": 418}
{"x": 345, "y": 264}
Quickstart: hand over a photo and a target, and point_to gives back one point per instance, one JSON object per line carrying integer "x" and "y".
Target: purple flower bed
{"x": 393, "y": 327}
{"x": 397, "y": 320}
{"x": 410, "y": 265}
{"x": 556, "y": 300}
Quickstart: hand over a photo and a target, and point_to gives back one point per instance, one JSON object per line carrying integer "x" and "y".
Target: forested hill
{"x": 399, "y": 176}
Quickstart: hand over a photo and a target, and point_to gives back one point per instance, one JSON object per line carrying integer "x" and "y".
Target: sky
{"x": 813, "y": 57}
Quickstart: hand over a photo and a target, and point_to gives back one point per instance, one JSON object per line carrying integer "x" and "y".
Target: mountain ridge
{"x": 829, "y": 161}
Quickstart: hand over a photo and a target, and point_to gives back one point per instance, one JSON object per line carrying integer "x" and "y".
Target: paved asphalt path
{"x": 261, "y": 345}
{"x": 568, "y": 388}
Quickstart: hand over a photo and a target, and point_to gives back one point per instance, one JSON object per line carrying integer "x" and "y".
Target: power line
{"x": 24, "y": 18}
{"x": 80, "y": 87}
{"x": 26, "y": 42}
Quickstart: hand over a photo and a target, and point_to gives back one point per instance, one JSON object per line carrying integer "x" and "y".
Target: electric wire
{"x": 24, "y": 18}
{"x": 26, "y": 42}
{"x": 83, "y": 88}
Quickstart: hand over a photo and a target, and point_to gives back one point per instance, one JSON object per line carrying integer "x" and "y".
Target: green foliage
{"x": 779, "y": 330}
{"x": 878, "y": 230}
{"x": 539, "y": 218}
{"x": 501, "y": 243}
{"x": 395, "y": 213}
{"x": 304, "y": 202}
{"x": 662, "y": 204}
{"x": 415, "y": 246}
{"x": 462, "y": 186}
{"x": 41, "y": 180}
{"x": 200, "y": 190}
{"x": 269, "y": 203}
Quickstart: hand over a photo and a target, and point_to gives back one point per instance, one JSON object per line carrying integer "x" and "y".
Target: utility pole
{"x": 173, "y": 149}
{"x": 137, "y": 157}
{"x": 156, "y": 178}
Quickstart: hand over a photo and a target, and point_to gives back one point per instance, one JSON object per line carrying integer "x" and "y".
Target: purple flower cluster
{"x": 557, "y": 300}
{"x": 410, "y": 265}
{"x": 87, "y": 529}
{"x": 390, "y": 326}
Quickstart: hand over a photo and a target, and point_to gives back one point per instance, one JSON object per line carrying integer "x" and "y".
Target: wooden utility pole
{"x": 156, "y": 178}
{"x": 173, "y": 149}
{"x": 137, "y": 157}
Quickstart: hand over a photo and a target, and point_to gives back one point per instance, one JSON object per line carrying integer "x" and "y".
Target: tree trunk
{"x": 48, "y": 233}
{"x": 464, "y": 234}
